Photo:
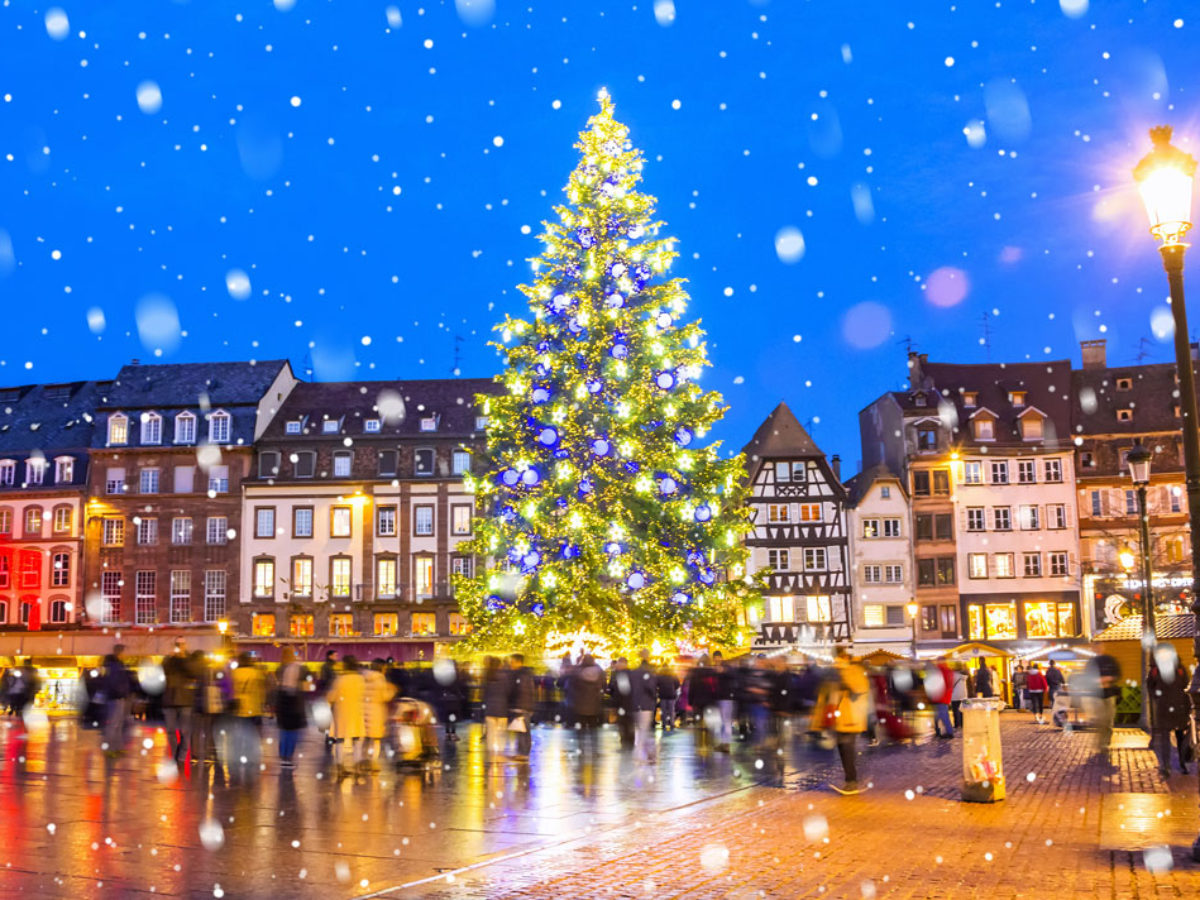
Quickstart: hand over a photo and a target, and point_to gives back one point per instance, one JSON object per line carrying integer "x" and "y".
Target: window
{"x": 385, "y": 521}
{"x": 1030, "y": 518}
{"x": 386, "y": 624}
{"x": 929, "y": 618}
{"x": 927, "y": 572}
{"x": 118, "y": 429}
{"x": 33, "y": 521}
{"x": 301, "y": 625}
{"x": 181, "y": 530}
{"x": 1058, "y": 563}
{"x": 873, "y": 574}
{"x": 985, "y": 429}
{"x": 219, "y": 427}
{"x": 340, "y": 522}
{"x": 1125, "y": 415}
{"x": 819, "y": 609}
{"x": 218, "y": 480}
{"x": 292, "y": 427}
{"x": 302, "y": 576}
{"x": 264, "y": 522}
{"x": 181, "y": 596}
{"x": 423, "y": 566}
{"x": 783, "y": 471}
{"x": 5, "y": 521}
{"x": 385, "y": 576}
{"x": 973, "y": 472}
{"x": 1002, "y": 518}
{"x": 151, "y": 428}
{"x": 895, "y": 615}
{"x": 924, "y": 527}
{"x": 214, "y": 594}
{"x": 145, "y": 610}
{"x": 926, "y": 439}
{"x": 64, "y": 470}
{"x": 975, "y": 519}
{"x": 461, "y": 565}
{"x": 1000, "y": 472}
{"x": 35, "y": 470}
{"x": 893, "y": 574}
{"x": 113, "y": 531}
{"x": 217, "y": 531}
{"x": 1086, "y": 459}
{"x": 387, "y": 462}
{"x": 1052, "y": 469}
{"x": 341, "y": 464}
{"x": 1056, "y": 514}
{"x": 147, "y": 531}
{"x": 1032, "y": 427}
{"x": 1173, "y": 499}
{"x": 873, "y": 615}
{"x": 1131, "y": 504}
{"x": 341, "y": 624}
{"x": 302, "y": 521}
{"x": 891, "y": 528}
{"x": 110, "y": 597}
{"x": 148, "y": 481}
{"x": 970, "y": 399}
{"x": 114, "y": 481}
{"x": 781, "y": 609}
{"x": 423, "y": 521}
{"x": 339, "y": 577}
{"x": 304, "y": 463}
{"x": 481, "y": 423}
{"x": 185, "y": 479}
{"x": 885, "y": 492}
{"x": 943, "y": 527}
{"x": 921, "y": 483}
{"x": 870, "y": 528}
{"x": 949, "y": 616}
{"x": 1097, "y": 504}
{"x": 63, "y": 516}
{"x": 778, "y": 560}
{"x": 31, "y": 568}
{"x": 945, "y": 570}
{"x": 58, "y": 611}
{"x": 1032, "y": 564}
{"x": 1003, "y": 564}
{"x": 423, "y": 461}
{"x": 461, "y": 462}
{"x": 814, "y": 559}
{"x": 264, "y": 577}
{"x": 460, "y": 521}
{"x": 810, "y": 512}
{"x": 185, "y": 428}
{"x": 262, "y": 624}
{"x": 424, "y": 624}
{"x": 8, "y": 473}
{"x": 1016, "y": 398}
{"x": 1026, "y": 471}
{"x": 268, "y": 464}
{"x": 1124, "y": 384}
{"x": 331, "y": 426}
{"x": 371, "y": 426}
{"x": 977, "y": 565}
{"x": 60, "y": 570}
{"x": 459, "y": 624}
{"x": 429, "y": 423}
{"x": 778, "y": 513}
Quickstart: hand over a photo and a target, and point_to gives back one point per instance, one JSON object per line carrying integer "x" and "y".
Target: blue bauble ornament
{"x": 636, "y": 581}
{"x": 547, "y": 437}
{"x": 619, "y": 351}
{"x": 530, "y": 477}
{"x": 508, "y": 515}
{"x": 585, "y": 237}
{"x": 695, "y": 557}
{"x": 495, "y": 603}
{"x": 538, "y": 608}
{"x": 681, "y": 598}
{"x": 574, "y": 327}
{"x": 617, "y": 269}
{"x": 614, "y": 300}
{"x": 560, "y": 303}
{"x": 540, "y": 394}
{"x": 707, "y": 577}
{"x": 703, "y": 513}
{"x": 585, "y": 487}
{"x": 683, "y": 436}
{"x": 570, "y": 551}
{"x": 595, "y": 386}
{"x": 530, "y": 560}
{"x": 510, "y": 477}
{"x": 633, "y": 467}
{"x": 601, "y": 447}
{"x": 665, "y": 380}
{"x": 667, "y": 485}
{"x": 612, "y": 548}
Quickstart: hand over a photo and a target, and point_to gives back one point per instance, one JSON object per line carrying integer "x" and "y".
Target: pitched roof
{"x": 1166, "y": 627}
{"x": 781, "y": 434}
{"x": 181, "y": 384}
{"x": 1150, "y": 395}
{"x": 858, "y": 486}
{"x": 47, "y": 417}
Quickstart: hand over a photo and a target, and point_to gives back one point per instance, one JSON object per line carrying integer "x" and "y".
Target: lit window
{"x": 778, "y": 513}
{"x": 301, "y": 625}
{"x": 1016, "y": 398}
{"x": 810, "y": 512}
{"x": 151, "y": 428}
{"x": 386, "y": 624}
{"x": 302, "y": 576}
{"x": 371, "y": 426}
{"x": 264, "y": 578}
{"x": 970, "y": 399}
{"x": 819, "y": 609}
{"x": 424, "y": 576}
{"x": 331, "y": 426}
{"x": 113, "y": 532}
{"x": 873, "y": 615}
{"x": 292, "y": 427}
{"x": 429, "y": 423}
{"x": 1003, "y": 563}
{"x": 219, "y": 427}
{"x": 185, "y": 428}
{"x": 63, "y": 518}
{"x": 385, "y": 577}
{"x": 459, "y": 624}
{"x": 985, "y": 429}
{"x": 977, "y": 565}
{"x": 341, "y": 624}
{"x": 262, "y": 624}
{"x": 339, "y": 577}
{"x": 339, "y": 522}
{"x": 64, "y": 470}
{"x": 460, "y": 522}
{"x": 118, "y": 429}
{"x": 1125, "y": 415}
{"x": 424, "y": 624}
{"x": 1032, "y": 428}
{"x": 481, "y": 423}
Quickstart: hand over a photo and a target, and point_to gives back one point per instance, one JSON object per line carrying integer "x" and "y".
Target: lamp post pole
{"x": 913, "y": 609}
{"x": 1164, "y": 177}
{"x": 1150, "y": 632}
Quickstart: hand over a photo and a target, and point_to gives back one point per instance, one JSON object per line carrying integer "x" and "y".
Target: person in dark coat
{"x": 668, "y": 694}
{"x": 587, "y": 702}
{"x": 984, "y": 683}
{"x": 179, "y": 696}
{"x": 496, "y": 688}
{"x": 291, "y": 714}
{"x": 644, "y": 696}
{"x": 450, "y": 698}
{"x": 1167, "y": 689}
{"x": 619, "y": 695}
{"x": 727, "y": 694}
{"x": 702, "y": 695}
{"x": 24, "y": 687}
{"x": 522, "y": 701}
{"x": 118, "y": 688}
{"x": 1054, "y": 682}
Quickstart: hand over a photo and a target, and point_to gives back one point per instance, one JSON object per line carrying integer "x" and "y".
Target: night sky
{"x": 354, "y": 184}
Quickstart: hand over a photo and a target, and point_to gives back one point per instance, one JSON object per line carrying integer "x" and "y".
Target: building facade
{"x": 799, "y": 542}
{"x": 45, "y": 434}
{"x": 171, "y": 446}
{"x": 355, "y": 510}
{"x": 880, "y": 526}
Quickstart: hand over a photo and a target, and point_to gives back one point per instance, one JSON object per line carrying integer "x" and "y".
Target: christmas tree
{"x": 602, "y": 510}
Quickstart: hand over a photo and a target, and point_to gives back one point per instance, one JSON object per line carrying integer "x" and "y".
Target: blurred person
{"x": 587, "y": 702}
{"x": 291, "y": 714}
{"x": 1054, "y": 681}
{"x": 702, "y": 696}
{"x": 377, "y": 703}
{"x": 450, "y": 697}
{"x": 1020, "y": 683}
{"x": 727, "y": 690}
{"x": 620, "y": 696}
{"x": 851, "y": 698}
{"x": 522, "y": 701}
{"x": 939, "y": 687}
{"x": 24, "y": 687}
{"x": 985, "y": 683}
{"x": 644, "y": 698}
{"x": 756, "y": 697}
{"x": 249, "y": 700}
{"x": 347, "y": 699}
{"x": 1035, "y": 691}
{"x": 1167, "y": 689}
{"x": 495, "y": 706}
{"x": 668, "y": 694}
{"x": 959, "y": 692}
{"x": 178, "y": 700}
{"x": 210, "y": 700}
{"x": 117, "y": 687}
{"x": 328, "y": 673}
{"x": 1102, "y": 677}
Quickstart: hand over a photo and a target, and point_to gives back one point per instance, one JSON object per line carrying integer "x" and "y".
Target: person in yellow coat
{"x": 379, "y": 695}
{"x": 850, "y": 695}
{"x": 347, "y": 697}
{"x": 249, "y": 691}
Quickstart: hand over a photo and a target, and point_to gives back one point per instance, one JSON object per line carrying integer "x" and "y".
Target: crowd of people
{"x": 379, "y": 711}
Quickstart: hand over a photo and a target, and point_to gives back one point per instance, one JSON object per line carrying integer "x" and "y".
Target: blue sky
{"x": 371, "y": 168}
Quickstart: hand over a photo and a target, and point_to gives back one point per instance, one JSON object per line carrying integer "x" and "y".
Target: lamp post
{"x": 913, "y": 609}
{"x": 1138, "y": 461}
{"x": 1164, "y": 178}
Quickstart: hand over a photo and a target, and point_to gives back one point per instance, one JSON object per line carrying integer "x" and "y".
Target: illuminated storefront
{"x": 1051, "y": 616}
{"x": 1119, "y": 597}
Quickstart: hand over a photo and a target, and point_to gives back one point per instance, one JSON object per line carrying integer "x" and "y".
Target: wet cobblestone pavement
{"x": 78, "y": 825}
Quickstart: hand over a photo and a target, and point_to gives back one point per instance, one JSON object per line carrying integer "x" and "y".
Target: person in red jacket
{"x": 939, "y": 688}
{"x": 1035, "y": 689}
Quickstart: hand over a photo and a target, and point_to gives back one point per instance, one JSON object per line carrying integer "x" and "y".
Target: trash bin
{"x": 983, "y": 768}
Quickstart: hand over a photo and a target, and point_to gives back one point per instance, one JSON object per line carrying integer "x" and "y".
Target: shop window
{"x": 873, "y": 615}
{"x": 1041, "y": 620}
{"x": 1000, "y": 620}
{"x": 59, "y": 612}
{"x": 387, "y": 624}
{"x": 459, "y": 624}
{"x": 928, "y": 618}
{"x": 424, "y": 624}
{"x": 341, "y": 624}
{"x": 949, "y": 616}
{"x": 262, "y": 624}
{"x": 1067, "y": 625}
{"x": 301, "y": 625}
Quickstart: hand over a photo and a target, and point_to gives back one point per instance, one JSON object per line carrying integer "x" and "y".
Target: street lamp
{"x": 1138, "y": 461}
{"x": 913, "y": 609}
{"x": 1164, "y": 178}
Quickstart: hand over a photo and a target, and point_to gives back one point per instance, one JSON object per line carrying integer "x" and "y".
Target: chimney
{"x": 1094, "y": 356}
{"x": 835, "y": 463}
{"x": 135, "y": 362}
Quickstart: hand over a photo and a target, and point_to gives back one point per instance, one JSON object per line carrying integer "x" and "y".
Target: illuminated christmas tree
{"x": 602, "y": 509}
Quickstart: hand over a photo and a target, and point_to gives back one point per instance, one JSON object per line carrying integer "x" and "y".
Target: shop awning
{"x": 881, "y": 657}
{"x": 55, "y": 662}
{"x": 976, "y": 649}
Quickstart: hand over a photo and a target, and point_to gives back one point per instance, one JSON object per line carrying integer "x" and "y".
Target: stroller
{"x": 1065, "y": 713}
{"x": 413, "y": 733}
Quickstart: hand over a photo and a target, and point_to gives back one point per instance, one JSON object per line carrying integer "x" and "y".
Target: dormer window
{"x": 185, "y": 428}
{"x": 1016, "y": 398}
{"x": 371, "y": 426}
{"x": 292, "y": 427}
{"x": 1031, "y": 427}
{"x": 1124, "y": 384}
{"x": 481, "y": 423}
{"x": 331, "y": 426}
{"x": 984, "y": 428}
{"x": 970, "y": 399}
{"x": 151, "y": 428}
{"x": 220, "y": 425}
{"x": 429, "y": 423}
{"x": 118, "y": 429}
{"x": 1125, "y": 415}
{"x": 919, "y": 400}
{"x": 35, "y": 470}
{"x": 64, "y": 469}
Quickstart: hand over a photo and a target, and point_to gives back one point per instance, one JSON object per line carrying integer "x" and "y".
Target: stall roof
{"x": 976, "y": 649}
{"x": 1167, "y": 627}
